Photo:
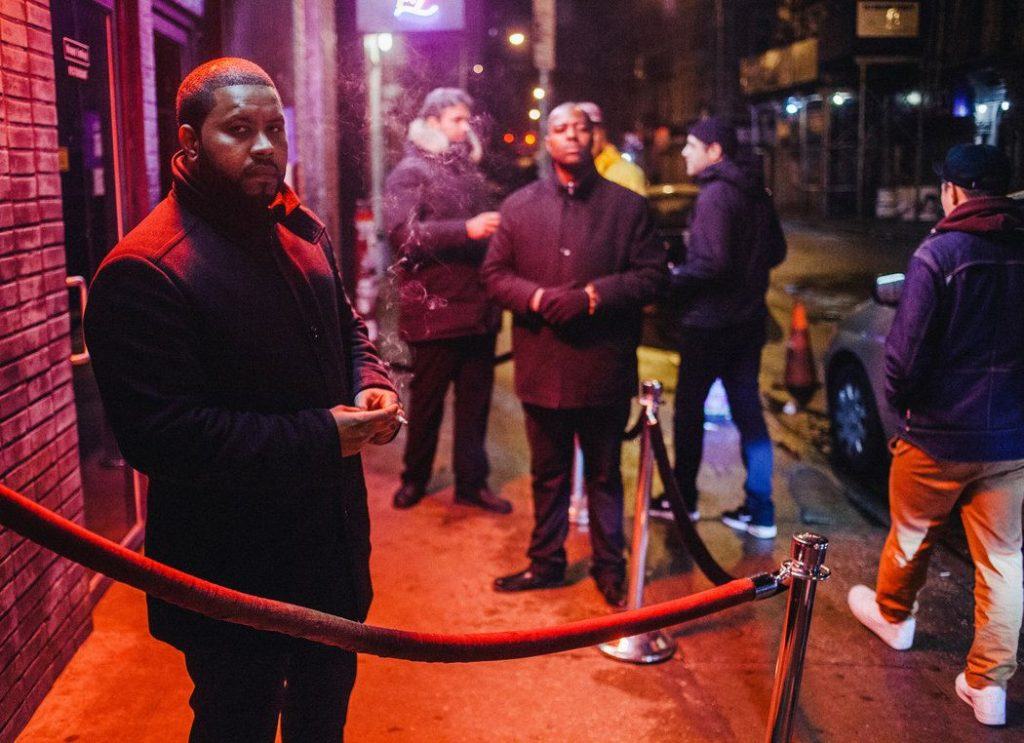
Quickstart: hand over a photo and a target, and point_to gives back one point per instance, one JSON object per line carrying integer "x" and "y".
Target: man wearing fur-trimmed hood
{"x": 439, "y": 216}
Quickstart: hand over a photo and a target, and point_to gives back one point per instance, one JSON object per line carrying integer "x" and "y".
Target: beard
{"x": 222, "y": 185}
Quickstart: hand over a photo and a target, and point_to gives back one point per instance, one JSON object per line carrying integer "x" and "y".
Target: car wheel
{"x": 858, "y": 442}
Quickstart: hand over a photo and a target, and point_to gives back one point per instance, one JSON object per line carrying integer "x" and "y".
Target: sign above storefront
{"x": 398, "y": 16}
{"x": 887, "y": 20}
{"x": 780, "y": 68}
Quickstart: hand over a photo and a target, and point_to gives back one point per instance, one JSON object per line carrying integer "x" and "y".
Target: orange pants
{"x": 922, "y": 493}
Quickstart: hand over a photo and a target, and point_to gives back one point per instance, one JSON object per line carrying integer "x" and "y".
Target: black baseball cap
{"x": 976, "y": 167}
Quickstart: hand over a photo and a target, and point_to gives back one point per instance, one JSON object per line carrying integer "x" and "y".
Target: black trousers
{"x": 734, "y": 355}
{"x": 550, "y": 435}
{"x": 242, "y": 689}
{"x": 468, "y": 363}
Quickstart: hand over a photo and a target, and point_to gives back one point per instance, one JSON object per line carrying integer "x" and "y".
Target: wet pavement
{"x": 433, "y": 566}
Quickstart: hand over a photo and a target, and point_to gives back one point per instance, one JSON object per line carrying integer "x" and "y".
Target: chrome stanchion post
{"x": 655, "y": 646}
{"x": 578, "y": 513}
{"x": 805, "y": 570}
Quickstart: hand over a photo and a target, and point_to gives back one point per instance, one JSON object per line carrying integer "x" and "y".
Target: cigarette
{"x": 402, "y": 420}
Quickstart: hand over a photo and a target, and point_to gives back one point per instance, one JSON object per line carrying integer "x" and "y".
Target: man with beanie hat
{"x": 734, "y": 241}
{"x": 954, "y": 366}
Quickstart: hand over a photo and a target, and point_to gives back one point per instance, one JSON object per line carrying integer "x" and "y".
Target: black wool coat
{"x": 219, "y": 342}
{"x": 600, "y": 234}
{"x": 429, "y": 197}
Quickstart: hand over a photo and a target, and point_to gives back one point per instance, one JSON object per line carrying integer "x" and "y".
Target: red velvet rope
{"x": 74, "y": 542}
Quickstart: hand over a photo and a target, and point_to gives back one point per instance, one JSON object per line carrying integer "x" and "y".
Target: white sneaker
{"x": 898, "y": 635}
{"x": 988, "y": 703}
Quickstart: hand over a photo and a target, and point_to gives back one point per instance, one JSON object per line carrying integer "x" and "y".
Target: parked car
{"x": 862, "y": 421}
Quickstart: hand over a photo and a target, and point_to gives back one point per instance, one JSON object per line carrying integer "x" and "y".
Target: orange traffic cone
{"x": 801, "y": 376}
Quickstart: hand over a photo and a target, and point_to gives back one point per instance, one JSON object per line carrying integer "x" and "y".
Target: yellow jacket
{"x": 610, "y": 164}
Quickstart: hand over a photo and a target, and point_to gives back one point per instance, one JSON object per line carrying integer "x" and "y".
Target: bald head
{"x": 196, "y": 93}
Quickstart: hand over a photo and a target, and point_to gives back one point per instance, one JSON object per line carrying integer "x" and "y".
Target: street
{"x": 433, "y": 566}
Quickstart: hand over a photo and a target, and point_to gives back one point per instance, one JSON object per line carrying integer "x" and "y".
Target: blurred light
{"x": 982, "y": 108}
{"x": 539, "y": 93}
{"x": 534, "y": 114}
{"x": 627, "y": 157}
{"x": 914, "y": 98}
{"x": 385, "y": 42}
{"x": 509, "y": 138}
{"x": 517, "y": 38}
{"x": 960, "y": 106}
{"x": 478, "y": 69}
{"x": 840, "y": 97}
{"x": 1005, "y": 105}
{"x": 530, "y": 139}
{"x": 792, "y": 108}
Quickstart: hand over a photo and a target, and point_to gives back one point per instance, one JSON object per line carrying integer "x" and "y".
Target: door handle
{"x": 78, "y": 282}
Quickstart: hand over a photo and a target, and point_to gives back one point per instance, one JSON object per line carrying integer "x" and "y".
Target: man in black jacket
{"x": 237, "y": 377}
{"x": 438, "y": 220}
{"x": 575, "y": 259}
{"x": 735, "y": 240}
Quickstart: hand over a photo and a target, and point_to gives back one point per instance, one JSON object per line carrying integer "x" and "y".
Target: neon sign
{"x": 415, "y": 7}
{"x": 408, "y": 16}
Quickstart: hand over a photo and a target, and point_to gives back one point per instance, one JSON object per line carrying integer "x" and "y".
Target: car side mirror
{"x": 888, "y": 289}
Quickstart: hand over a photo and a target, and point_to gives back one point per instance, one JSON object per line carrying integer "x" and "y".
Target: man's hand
{"x": 562, "y": 305}
{"x": 483, "y": 225}
{"x": 359, "y": 426}
{"x": 377, "y": 398}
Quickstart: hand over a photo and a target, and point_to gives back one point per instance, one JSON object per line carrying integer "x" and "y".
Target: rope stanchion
{"x": 691, "y": 539}
{"x": 161, "y": 581}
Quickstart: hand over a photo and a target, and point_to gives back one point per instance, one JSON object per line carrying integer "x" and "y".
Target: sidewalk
{"x": 433, "y": 566}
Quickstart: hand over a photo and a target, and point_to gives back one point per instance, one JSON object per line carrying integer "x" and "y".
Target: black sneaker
{"x": 661, "y": 508}
{"x": 738, "y": 518}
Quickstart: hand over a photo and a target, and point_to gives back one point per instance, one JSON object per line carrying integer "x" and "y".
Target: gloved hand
{"x": 563, "y": 304}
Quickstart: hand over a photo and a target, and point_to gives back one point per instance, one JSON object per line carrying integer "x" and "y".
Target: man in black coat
{"x": 237, "y": 377}
{"x": 735, "y": 240}
{"x": 575, "y": 259}
{"x": 438, "y": 218}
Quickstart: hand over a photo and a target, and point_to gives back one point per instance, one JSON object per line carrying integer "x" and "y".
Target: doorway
{"x": 87, "y": 137}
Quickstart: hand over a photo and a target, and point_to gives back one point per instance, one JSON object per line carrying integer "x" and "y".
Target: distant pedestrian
{"x": 438, "y": 217}
{"x": 611, "y": 163}
{"x": 734, "y": 241}
{"x": 575, "y": 259}
{"x": 954, "y": 364}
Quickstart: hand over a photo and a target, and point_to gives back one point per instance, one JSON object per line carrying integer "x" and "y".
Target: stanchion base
{"x": 650, "y": 647}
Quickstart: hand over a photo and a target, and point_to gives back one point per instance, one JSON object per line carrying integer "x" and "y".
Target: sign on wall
{"x": 887, "y": 20}
{"x": 398, "y": 16}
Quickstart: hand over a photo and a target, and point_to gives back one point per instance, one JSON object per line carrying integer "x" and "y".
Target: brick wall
{"x": 44, "y": 611}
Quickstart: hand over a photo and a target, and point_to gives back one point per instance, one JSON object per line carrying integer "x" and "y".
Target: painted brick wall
{"x": 44, "y": 612}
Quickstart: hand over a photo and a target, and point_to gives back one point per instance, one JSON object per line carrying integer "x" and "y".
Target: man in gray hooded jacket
{"x": 438, "y": 215}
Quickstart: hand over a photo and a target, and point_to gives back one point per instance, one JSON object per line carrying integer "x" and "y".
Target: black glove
{"x": 562, "y": 305}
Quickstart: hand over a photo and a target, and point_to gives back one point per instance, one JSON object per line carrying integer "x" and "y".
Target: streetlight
{"x": 539, "y": 93}
{"x": 517, "y": 38}
{"x": 478, "y": 69}
{"x": 534, "y": 114}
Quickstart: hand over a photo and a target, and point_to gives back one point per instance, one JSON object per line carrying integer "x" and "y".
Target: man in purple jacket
{"x": 575, "y": 259}
{"x": 954, "y": 368}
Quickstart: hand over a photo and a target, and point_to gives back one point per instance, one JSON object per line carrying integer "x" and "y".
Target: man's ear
{"x": 715, "y": 153}
{"x": 433, "y": 121}
{"x": 189, "y": 141}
